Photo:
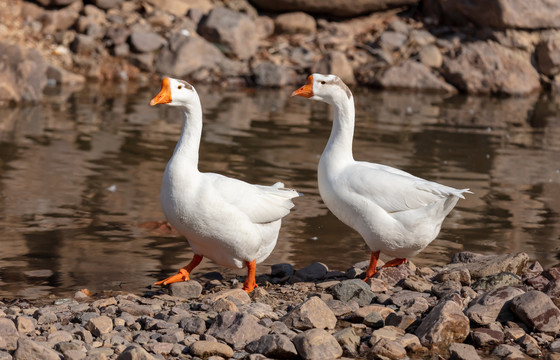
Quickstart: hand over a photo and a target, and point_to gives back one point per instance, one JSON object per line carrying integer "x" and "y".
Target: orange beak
{"x": 164, "y": 96}
{"x": 306, "y": 90}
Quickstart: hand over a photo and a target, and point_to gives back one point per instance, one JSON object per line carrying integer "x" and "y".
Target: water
{"x": 80, "y": 174}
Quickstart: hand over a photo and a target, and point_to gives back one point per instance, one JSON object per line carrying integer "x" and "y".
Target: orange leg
{"x": 183, "y": 274}
{"x": 372, "y": 268}
{"x": 394, "y": 262}
{"x": 250, "y": 284}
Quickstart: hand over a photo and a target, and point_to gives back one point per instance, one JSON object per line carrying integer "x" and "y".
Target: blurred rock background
{"x": 498, "y": 47}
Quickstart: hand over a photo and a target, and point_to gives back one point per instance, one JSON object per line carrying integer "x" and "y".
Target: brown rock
{"x": 361, "y": 313}
{"x": 392, "y": 275}
{"x": 8, "y": 334}
{"x": 317, "y": 344}
{"x": 100, "y": 325}
{"x": 181, "y": 7}
{"x": 548, "y": 55}
{"x": 331, "y": 7}
{"x": 237, "y": 329}
{"x": 485, "y": 265}
{"x": 275, "y": 346}
{"x": 537, "y": 310}
{"x": 236, "y": 32}
{"x": 430, "y": 55}
{"x": 295, "y": 23}
{"x": 462, "y": 352}
{"x": 313, "y": 313}
{"x": 335, "y": 62}
{"x": 387, "y": 349}
{"x": 29, "y": 349}
{"x": 387, "y": 333}
{"x": 486, "y": 337}
{"x": 459, "y": 275}
{"x": 443, "y": 325}
{"x": 268, "y": 74}
{"x": 487, "y": 307}
{"x": 204, "y": 349}
{"x": 417, "y": 283}
{"x": 412, "y": 75}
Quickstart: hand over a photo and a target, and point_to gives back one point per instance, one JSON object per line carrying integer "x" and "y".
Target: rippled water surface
{"x": 80, "y": 174}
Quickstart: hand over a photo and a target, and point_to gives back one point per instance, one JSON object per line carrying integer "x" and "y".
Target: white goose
{"x": 234, "y": 223}
{"x": 395, "y": 212}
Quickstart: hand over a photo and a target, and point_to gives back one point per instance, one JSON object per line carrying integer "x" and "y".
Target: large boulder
{"x": 331, "y": 7}
{"x": 22, "y": 73}
{"x": 412, "y": 75}
{"x": 501, "y": 14}
{"x": 234, "y": 31}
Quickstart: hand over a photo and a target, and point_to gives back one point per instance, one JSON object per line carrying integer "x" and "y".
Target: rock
{"x": 486, "y": 337}
{"x": 402, "y": 321}
{"x": 354, "y": 289}
{"x": 497, "y": 281}
{"x": 443, "y": 325}
{"x": 502, "y": 14}
{"x": 275, "y": 346}
{"x": 8, "y": 334}
{"x": 446, "y": 288}
{"x": 281, "y": 270}
{"x": 388, "y": 350}
{"x": 387, "y": 333}
{"x": 430, "y": 55}
{"x": 222, "y": 305}
{"x": 236, "y": 329}
{"x": 417, "y": 306}
{"x": 548, "y": 55}
{"x": 236, "y": 32}
{"x": 268, "y": 74}
{"x": 134, "y": 352}
{"x": 374, "y": 320}
{"x": 83, "y": 45}
{"x": 348, "y": 339}
{"x": 64, "y": 77}
{"x": 179, "y": 8}
{"x": 317, "y": 344}
{"x": 530, "y": 345}
{"x": 178, "y": 61}
{"x": 508, "y": 352}
{"x": 360, "y": 314}
{"x": 555, "y": 346}
{"x": 462, "y": 276}
{"x": 186, "y": 289}
{"x": 204, "y": 349}
{"x": 506, "y": 72}
{"x": 315, "y": 271}
{"x": 538, "y": 311}
{"x": 59, "y": 336}
{"x": 552, "y": 289}
{"x": 392, "y": 40}
{"x": 538, "y": 282}
{"x": 335, "y": 62}
{"x": 487, "y": 307}
{"x": 237, "y": 296}
{"x": 146, "y": 41}
{"x": 24, "y": 325}
{"x": 29, "y": 349}
{"x": 339, "y": 8}
{"x": 107, "y": 4}
{"x": 462, "y": 352}
{"x": 313, "y": 313}
{"x": 392, "y": 275}
{"x": 412, "y": 75}
{"x": 417, "y": 283}
{"x": 295, "y": 23}
{"x": 100, "y": 325}
{"x": 135, "y": 309}
{"x": 22, "y": 75}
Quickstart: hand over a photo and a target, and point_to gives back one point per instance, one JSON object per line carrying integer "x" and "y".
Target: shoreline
{"x": 503, "y": 306}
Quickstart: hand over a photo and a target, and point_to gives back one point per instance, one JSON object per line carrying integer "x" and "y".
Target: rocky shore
{"x": 478, "y": 306}
{"x": 477, "y": 47}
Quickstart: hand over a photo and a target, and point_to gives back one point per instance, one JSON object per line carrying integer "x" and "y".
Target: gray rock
{"x": 430, "y": 55}
{"x": 399, "y": 26}
{"x": 487, "y": 307}
{"x": 443, "y": 325}
{"x": 487, "y": 337}
{"x": 186, "y": 289}
{"x": 8, "y": 334}
{"x": 22, "y": 76}
{"x": 281, "y": 270}
{"x": 177, "y": 60}
{"x": 348, "y": 339}
{"x": 555, "y": 346}
{"x": 237, "y": 329}
{"x": 317, "y": 344}
{"x": 412, "y": 75}
{"x": 402, "y": 321}
{"x": 29, "y": 349}
{"x": 313, "y": 272}
{"x": 295, "y": 23}
{"x": 237, "y": 296}
{"x": 59, "y": 336}
{"x": 335, "y": 62}
{"x": 235, "y": 31}
{"x": 388, "y": 349}
{"x": 146, "y": 41}
{"x": 313, "y": 313}
{"x": 354, "y": 289}
{"x": 506, "y": 72}
{"x": 275, "y": 346}
{"x": 268, "y": 74}
{"x": 508, "y": 352}
{"x": 461, "y": 275}
{"x": 548, "y": 55}
{"x": 392, "y": 40}
{"x": 100, "y": 325}
{"x": 462, "y": 352}
{"x": 83, "y": 45}
{"x": 193, "y": 325}
{"x": 497, "y": 281}
{"x": 134, "y": 352}
{"x": 74, "y": 355}
{"x": 538, "y": 311}
{"x": 417, "y": 283}
{"x": 374, "y": 320}
{"x": 331, "y": 7}
{"x": 204, "y": 349}
{"x": 446, "y": 288}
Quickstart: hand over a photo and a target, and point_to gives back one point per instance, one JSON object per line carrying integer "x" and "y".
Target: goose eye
{"x": 323, "y": 82}
{"x": 180, "y": 87}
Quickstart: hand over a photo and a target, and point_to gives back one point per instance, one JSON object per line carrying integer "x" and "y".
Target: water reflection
{"x": 79, "y": 173}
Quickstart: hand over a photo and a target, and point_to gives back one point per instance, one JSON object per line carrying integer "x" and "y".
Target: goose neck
{"x": 186, "y": 150}
{"x": 339, "y": 146}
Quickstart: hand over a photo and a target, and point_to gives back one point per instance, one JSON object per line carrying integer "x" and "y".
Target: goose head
{"x": 175, "y": 93}
{"x": 326, "y": 88}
